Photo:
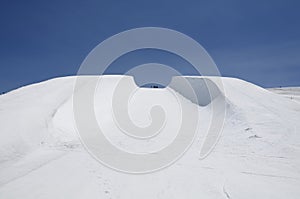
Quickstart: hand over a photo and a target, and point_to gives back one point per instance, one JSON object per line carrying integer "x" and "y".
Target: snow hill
{"x": 257, "y": 155}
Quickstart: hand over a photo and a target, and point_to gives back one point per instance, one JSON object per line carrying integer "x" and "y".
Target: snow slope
{"x": 257, "y": 156}
{"x": 290, "y": 92}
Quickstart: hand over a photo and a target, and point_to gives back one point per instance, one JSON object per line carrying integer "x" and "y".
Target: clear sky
{"x": 256, "y": 40}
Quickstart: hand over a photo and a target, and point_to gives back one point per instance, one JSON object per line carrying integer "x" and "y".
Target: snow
{"x": 290, "y": 92}
{"x": 257, "y": 155}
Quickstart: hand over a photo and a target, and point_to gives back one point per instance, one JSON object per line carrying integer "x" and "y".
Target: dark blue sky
{"x": 255, "y": 40}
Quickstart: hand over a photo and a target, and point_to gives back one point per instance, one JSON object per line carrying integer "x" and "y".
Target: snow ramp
{"x": 256, "y": 156}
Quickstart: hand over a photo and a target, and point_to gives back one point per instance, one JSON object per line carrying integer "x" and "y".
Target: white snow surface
{"x": 289, "y": 92}
{"x": 257, "y": 155}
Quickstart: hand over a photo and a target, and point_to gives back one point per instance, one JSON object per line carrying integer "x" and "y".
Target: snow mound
{"x": 257, "y": 155}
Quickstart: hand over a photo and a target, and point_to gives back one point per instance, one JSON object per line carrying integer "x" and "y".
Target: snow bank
{"x": 257, "y": 155}
{"x": 203, "y": 91}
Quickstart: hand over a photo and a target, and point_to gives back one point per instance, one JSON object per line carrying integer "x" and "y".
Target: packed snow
{"x": 289, "y": 92}
{"x": 257, "y": 155}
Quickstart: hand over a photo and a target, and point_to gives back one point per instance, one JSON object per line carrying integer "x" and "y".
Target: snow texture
{"x": 257, "y": 155}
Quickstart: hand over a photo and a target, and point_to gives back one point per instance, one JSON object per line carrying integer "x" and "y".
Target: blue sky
{"x": 257, "y": 40}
